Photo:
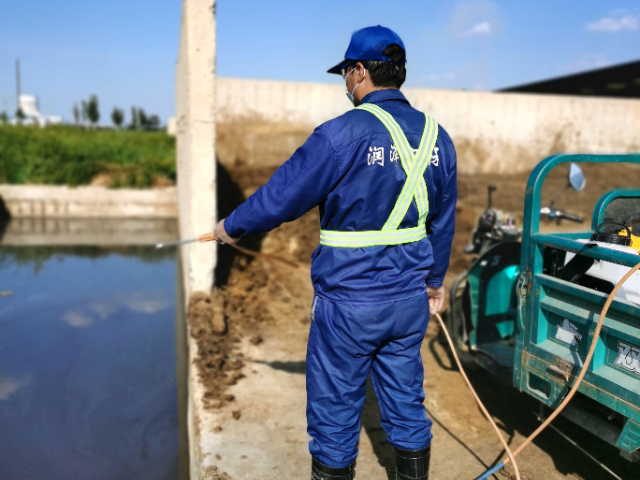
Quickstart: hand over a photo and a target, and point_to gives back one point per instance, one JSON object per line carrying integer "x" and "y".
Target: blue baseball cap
{"x": 368, "y": 44}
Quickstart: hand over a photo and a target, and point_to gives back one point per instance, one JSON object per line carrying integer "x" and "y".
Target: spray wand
{"x": 208, "y": 237}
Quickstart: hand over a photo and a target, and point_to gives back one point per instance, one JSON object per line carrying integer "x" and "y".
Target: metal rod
{"x": 17, "y": 84}
{"x": 176, "y": 244}
{"x": 585, "y": 452}
{"x": 208, "y": 237}
{"x": 572, "y": 442}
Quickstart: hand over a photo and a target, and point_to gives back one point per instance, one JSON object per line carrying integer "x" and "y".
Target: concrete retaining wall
{"x": 103, "y": 232}
{"x": 493, "y": 132}
{"x": 195, "y": 103}
{"x": 37, "y": 201}
{"x": 195, "y": 132}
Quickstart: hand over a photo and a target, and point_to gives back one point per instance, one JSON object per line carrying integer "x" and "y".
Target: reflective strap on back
{"x": 414, "y": 167}
{"x": 373, "y": 237}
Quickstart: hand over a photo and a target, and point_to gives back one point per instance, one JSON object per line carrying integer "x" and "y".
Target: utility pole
{"x": 17, "y": 84}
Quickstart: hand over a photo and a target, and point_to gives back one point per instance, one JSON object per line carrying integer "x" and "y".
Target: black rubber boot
{"x": 412, "y": 464}
{"x": 322, "y": 472}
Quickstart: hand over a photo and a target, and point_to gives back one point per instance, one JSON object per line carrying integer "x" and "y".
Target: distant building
{"x": 32, "y": 115}
{"x": 172, "y": 126}
{"x": 621, "y": 81}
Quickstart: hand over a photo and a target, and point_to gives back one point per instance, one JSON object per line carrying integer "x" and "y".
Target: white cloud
{"x": 615, "y": 22}
{"x": 75, "y": 318}
{"x": 475, "y": 18}
{"x": 103, "y": 309}
{"x": 482, "y": 28}
{"x": 146, "y": 302}
{"x": 9, "y": 386}
{"x": 140, "y": 302}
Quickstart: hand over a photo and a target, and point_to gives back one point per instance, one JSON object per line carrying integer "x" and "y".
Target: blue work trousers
{"x": 347, "y": 342}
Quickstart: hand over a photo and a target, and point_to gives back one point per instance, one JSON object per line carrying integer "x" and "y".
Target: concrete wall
{"x": 103, "y": 232}
{"x": 195, "y": 102}
{"x": 45, "y": 201}
{"x": 493, "y": 132}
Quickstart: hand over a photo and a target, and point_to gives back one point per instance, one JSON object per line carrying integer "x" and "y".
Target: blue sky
{"x": 125, "y": 51}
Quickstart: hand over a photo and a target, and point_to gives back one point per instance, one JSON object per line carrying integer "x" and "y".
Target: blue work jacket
{"x": 349, "y": 168}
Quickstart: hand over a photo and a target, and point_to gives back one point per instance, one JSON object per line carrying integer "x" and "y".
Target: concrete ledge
{"x": 103, "y": 232}
{"x": 83, "y": 202}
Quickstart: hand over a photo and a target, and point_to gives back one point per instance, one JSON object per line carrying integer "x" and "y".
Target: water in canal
{"x": 88, "y": 385}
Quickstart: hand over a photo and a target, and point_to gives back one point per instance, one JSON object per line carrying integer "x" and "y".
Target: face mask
{"x": 350, "y": 95}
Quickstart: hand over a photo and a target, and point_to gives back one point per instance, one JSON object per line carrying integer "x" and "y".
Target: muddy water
{"x": 88, "y": 364}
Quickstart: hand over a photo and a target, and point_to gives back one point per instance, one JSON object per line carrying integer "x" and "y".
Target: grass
{"x": 65, "y": 155}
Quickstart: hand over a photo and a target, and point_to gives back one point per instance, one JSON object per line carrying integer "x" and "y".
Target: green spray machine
{"x": 526, "y": 311}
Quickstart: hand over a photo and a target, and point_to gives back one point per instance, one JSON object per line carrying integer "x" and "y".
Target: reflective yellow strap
{"x": 415, "y": 186}
{"x": 372, "y": 238}
{"x": 413, "y": 165}
{"x": 425, "y": 194}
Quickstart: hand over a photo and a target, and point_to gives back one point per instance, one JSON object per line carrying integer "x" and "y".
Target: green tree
{"x": 3, "y": 117}
{"x": 20, "y": 114}
{"x": 153, "y": 122}
{"x": 135, "y": 119}
{"x": 84, "y": 112}
{"x": 76, "y": 113}
{"x": 143, "y": 120}
{"x": 117, "y": 116}
{"x": 93, "y": 111}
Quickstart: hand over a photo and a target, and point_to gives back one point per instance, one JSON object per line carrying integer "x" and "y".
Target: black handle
{"x": 573, "y": 218}
{"x": 620, "y": 225}
{"x": 490, "y": 188}
{"x": 614, "y": 238}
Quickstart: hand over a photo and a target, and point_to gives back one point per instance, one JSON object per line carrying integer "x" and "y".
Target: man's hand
{"x": 221, "y": 234}
{"x": 436, "y": 299}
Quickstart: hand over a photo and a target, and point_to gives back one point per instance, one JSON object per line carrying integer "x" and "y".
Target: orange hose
{"x": 208, "y": 237}
{"x": 266, "y": 256}
{"x": 510, "y": 455}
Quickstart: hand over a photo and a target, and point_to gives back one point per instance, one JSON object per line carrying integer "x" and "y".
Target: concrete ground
{"x": 266, "y": 437}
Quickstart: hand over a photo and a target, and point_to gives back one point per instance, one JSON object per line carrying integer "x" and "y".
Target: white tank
{"x": 29, "y": 105}
{"x": 613, "y": 272}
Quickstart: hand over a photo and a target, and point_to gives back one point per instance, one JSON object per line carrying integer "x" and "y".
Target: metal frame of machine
{"x": 511, "y": 314}
{"x": 546, "y": 361}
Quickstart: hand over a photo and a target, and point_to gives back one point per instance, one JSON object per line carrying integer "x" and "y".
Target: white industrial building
{"x": 32, "y": 115}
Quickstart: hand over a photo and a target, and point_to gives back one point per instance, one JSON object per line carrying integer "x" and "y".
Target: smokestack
{"x": 17, "y": 84}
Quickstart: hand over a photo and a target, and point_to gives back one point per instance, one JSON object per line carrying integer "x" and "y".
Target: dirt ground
{"x": 252, "y": 332}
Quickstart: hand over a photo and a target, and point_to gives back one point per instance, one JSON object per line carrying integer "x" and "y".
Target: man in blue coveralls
{"x": 384, "y": 176}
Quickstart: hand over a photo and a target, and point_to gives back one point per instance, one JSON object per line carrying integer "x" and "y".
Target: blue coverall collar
{"x": 383, "y": 95}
